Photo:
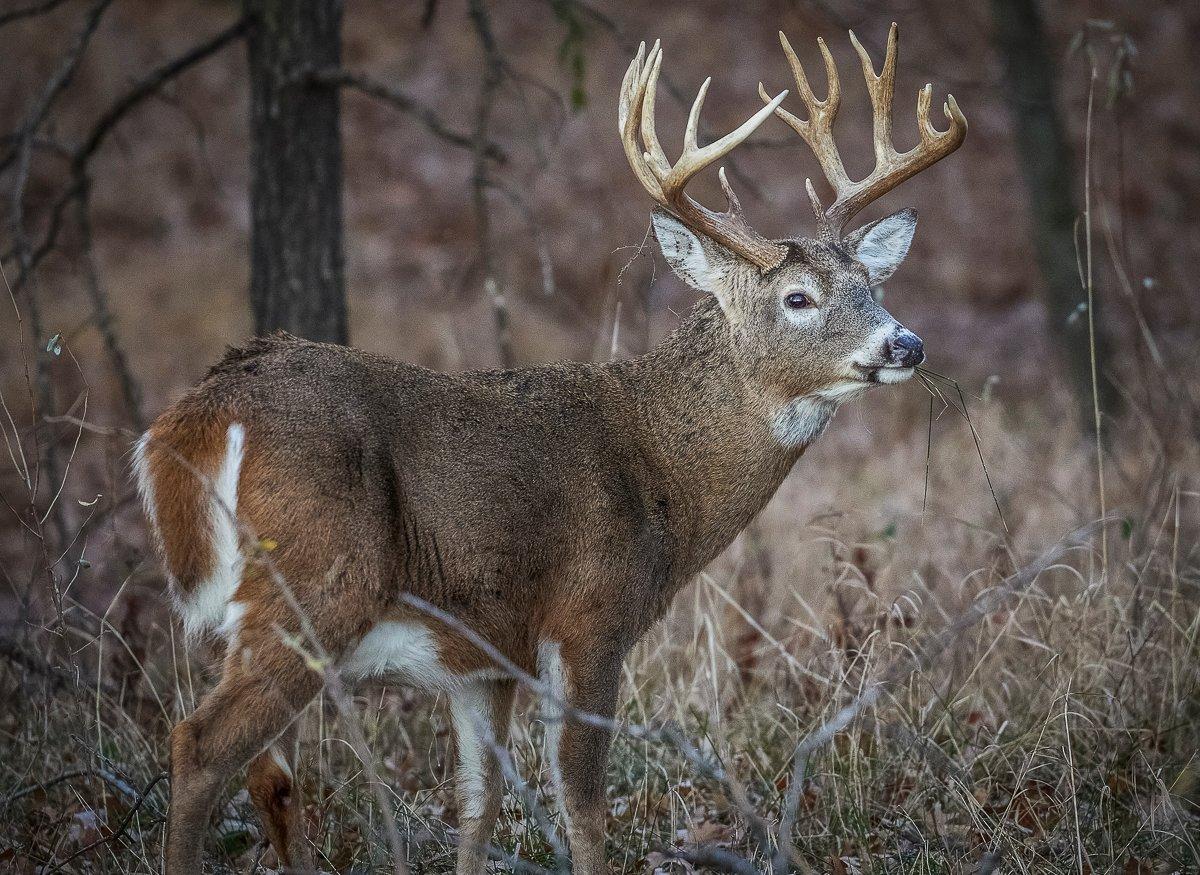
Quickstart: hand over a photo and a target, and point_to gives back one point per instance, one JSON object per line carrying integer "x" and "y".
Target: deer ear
{"x": 701, "y": 263}
{"x": 881, "y": 246}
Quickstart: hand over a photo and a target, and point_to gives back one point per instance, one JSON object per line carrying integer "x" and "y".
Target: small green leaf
{"x": 571, "y": 52}
{"x": 55, "y": 345}
{"x": 1126, "y": 528}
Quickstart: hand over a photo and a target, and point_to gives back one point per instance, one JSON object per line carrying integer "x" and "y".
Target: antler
{"x": 665, "y": 182}
{"x": 891, "y": 167}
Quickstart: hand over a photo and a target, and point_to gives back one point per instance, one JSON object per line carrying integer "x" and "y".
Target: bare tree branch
{"x": 130, "y": 388}
{"x": 151, "y": 83}
{"x": 493, "y": 75}
{"x": 120, "y": 831}
{"x": 50, "y": 93}
{"x": 406, "y": 104}
{"x": 713, "y": 859}
{"x": 29, "y": 11}
{"x": 23, "y": 154}
{"x": 79, "y": 157}
{"x": 540, "y": 239}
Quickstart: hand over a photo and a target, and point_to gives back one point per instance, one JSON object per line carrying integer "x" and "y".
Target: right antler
{"x": 891, "y": 167}
{"x": 665, "y": 182}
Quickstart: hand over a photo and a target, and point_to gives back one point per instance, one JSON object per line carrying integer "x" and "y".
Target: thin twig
{"x": 29, "y": 11}
{"x": 120, "y": 831}
{"x": 22, "y": 155}
{"x": 406, "y": 104}
{"x": 145, "y": 87}
{"x": 47, "y": 784}
{"x": 103, "y": 315}
{"x": 112, "y": 780}
{"x": 493, "y": 76}
{"x": 713, "y": 859}
{"x": 965, "y": 411}
{"x": 153, "y": 81}
{"x": 928, "y": 456}
{"x": 1091, "y": 306}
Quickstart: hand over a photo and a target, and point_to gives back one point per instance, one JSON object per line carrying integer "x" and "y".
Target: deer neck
{"x": 719, "y": 443}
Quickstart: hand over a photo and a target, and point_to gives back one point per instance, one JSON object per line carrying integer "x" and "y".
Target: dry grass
{"x": 1057, "y": 735}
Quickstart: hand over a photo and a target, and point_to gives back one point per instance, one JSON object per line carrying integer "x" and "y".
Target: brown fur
{"x": 274, "y": 794}
{"x": 563, "y": 503}
{"x": 181, "y": 444}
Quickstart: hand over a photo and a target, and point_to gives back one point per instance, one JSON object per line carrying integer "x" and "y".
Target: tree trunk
{"x": 1045, "y": 161}
{"x": 296, "y": 260}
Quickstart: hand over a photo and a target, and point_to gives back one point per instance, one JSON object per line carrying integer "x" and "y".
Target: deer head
{"x": 803, "y": 311}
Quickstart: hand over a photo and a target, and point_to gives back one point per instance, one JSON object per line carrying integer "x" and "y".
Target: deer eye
{"x": 798, "y": 301}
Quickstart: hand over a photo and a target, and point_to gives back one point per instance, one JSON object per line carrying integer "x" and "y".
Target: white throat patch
{"x": 801, "y": 421}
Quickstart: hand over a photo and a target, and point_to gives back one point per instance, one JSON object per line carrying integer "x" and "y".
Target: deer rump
{"x": 352, "y": 479}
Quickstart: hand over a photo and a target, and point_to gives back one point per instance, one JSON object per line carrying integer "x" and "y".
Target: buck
{"x": 554, "y": 510}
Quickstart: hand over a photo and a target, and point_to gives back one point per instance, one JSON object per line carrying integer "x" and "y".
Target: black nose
{"x": 905, "y": 350}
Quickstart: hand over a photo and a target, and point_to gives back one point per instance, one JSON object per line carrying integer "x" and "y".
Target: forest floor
{"x": 1033, "y": 715}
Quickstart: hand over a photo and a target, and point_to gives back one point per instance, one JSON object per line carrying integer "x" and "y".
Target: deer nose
{"x": 905, "y": 350}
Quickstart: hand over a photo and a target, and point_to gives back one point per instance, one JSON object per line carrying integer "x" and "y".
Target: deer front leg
{"x": 578, "y": 751}
{"x": 481, "y": 711}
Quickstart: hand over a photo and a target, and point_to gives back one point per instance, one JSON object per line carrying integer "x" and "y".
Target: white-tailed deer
{"x": 554, "y": 510}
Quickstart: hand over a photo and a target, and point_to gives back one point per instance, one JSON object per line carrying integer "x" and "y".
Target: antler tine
{"x": 695, "y": 159}
{"x": 665, "y": 182}
{"x": 654, "y": 150}
{"x": 881, "y": 88}
{"x": 693, "y": 122}
{"x": 818, "y": 210}
{"x": 734, "y": 206}
{"x": 953, "y": 114}
{"x": 629, "y": 86}
{"x": 629, "y": 117}
{"x": 817, "y": 131}
{"x": 891, "y": 167}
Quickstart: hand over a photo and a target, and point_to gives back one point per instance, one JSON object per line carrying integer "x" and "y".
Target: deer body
{"x": 504, "y": 497}
{"x": 553, "y": 511}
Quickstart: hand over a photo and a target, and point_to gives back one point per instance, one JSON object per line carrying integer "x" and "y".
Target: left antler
{"x": 891, "y": 167}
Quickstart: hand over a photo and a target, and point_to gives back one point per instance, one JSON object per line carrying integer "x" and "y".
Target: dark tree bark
{"x": 1045, "y": 161}
{"x": 296, "y": 258}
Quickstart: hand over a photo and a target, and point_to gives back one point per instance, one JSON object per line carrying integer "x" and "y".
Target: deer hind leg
{"x": 257, "y": 700}
{"x": 578, "y": 752}
{"x": 481, "y": 710}
{"x": 275, "y": 791}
